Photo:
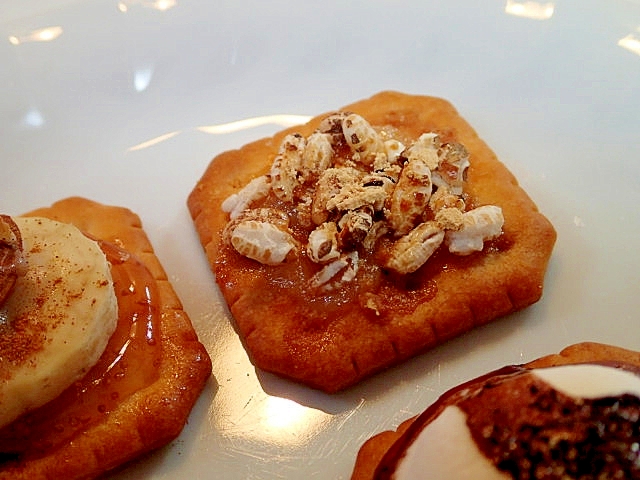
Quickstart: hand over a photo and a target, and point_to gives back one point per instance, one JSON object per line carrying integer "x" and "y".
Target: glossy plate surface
{"x": 126, "y": 101}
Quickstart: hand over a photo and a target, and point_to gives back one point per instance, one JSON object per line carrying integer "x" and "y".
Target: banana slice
{"x": 56, "y": 324}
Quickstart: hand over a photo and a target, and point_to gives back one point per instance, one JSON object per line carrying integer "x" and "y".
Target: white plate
{"x": 106, "y": 99}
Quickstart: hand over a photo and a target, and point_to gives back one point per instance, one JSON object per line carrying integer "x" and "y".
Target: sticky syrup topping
{"x": 128, "y": 365}
{"x": 348, "y": 215}
{"x": 335, "y": 195}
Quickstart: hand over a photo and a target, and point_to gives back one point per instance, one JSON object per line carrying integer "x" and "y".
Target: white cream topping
{"x": 445, "y": 449}
{"x": 590, "y": 381}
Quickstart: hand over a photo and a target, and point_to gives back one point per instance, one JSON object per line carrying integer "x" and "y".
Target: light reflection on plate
{"x": 272, "y": 421}
{"x": 46, "y": 34}
{"x": 631, "y": 42}
{"x": 530, "y": 9}
{"x": 160, "y": 5}
{"x": 281, "y": 120}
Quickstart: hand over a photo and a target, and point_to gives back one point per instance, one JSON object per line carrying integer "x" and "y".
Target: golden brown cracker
{"x": 331, "y": 347}
{"x": 148, "y": 418}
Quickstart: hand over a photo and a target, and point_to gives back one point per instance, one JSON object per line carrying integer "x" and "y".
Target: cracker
{"x": 374, "y": 449}
{"x": 330, "y": 346}
{"x": 151, "y": 417}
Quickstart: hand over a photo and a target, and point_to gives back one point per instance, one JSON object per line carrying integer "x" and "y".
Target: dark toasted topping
{"x": 10, "y": 255}
{"x": 543, "y": 434}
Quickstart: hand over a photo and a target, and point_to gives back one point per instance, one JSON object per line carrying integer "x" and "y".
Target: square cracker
{"x": 153, "y": 416}
{"x": 331, "y": 348}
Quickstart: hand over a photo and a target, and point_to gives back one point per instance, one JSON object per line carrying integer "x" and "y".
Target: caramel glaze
{"x": 536, "y": 432}
{"x": 128, "y": 364}
{"x": 376, "y": 294}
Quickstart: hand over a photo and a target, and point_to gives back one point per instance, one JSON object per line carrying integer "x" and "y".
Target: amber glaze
{"x": 393, "y": 293}
{"x": 128, "y": 364}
